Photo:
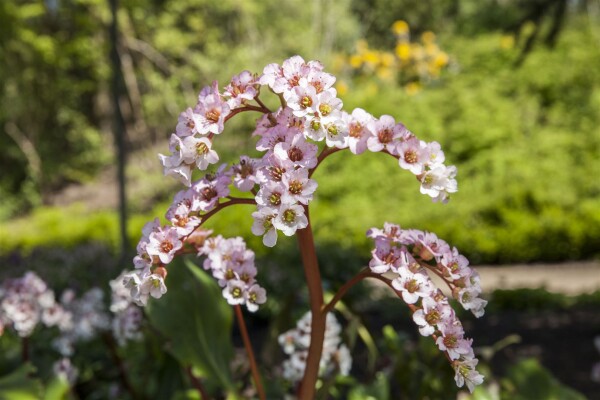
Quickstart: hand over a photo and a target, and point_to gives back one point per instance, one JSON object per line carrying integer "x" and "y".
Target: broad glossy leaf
{"x": 196, "y": 321}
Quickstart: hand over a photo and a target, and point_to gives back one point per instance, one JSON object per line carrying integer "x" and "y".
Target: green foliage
{"x": 19, "y": 385}
{"x": 529, "y": 380}
{"x": 525, "y": 143}
{"x": 197, "y": 323}
{"x": 49, "y": 81}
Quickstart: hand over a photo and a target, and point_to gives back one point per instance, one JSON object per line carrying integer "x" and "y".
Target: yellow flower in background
{"x": 384, "y": 73}
{"x": 507, "y": 42}
{"x": 428, "y": 37}
{"x": 412, "y": 88}
{"x": 371, "y": 57}
{"x": 431, "y": 49}
{"x": 400, "y": 27}
{"x": 403, "y": 51}
{"x": 362, "y": 46}
{"x": 387, "y": 59}
{"x": 341, "y": 87}
{"x": 441, "y": 59}
{"x": 356, "y": 61}
{"x": 412, "y": 64}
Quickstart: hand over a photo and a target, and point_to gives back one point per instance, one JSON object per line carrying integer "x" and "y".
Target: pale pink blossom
{"x": 240, "y": 89}
{"x": 290, "y": 218}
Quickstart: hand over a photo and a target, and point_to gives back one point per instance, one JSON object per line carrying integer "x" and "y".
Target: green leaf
{"x": 57, "y": 389}
{"x": 378, "y": 390}
{"x": 196, "y": 322}
{"x": 19, "y": 385}
{"x": 529, "y": 380}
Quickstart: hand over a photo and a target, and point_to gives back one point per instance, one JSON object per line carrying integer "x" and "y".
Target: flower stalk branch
{"x": 251, "y": 358}
{"x": 315, "y": 293}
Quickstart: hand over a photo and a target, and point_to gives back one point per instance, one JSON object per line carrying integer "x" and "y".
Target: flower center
{"x": 208, "y": 193}
{"x": 229, "y": 274}
{"x": 275, "y": 199}
{"x": 450, "y": 341}
{"x": 332, "y": 130}
{"x": 410, "y": 156}
{"x": 236, "y": 292}
{"x": 201, "y": 148}
{"x": 276, "y": 173}
{"x": 355, "y": 130}
{"x": 213, "y": 115}
{"x": 315, "y": 125}
{"x": 295, "y": 154}
{"x": 306, "y": 102}
{"x": 166, "y": 246}
{"x": 385, "y": 136}
{"x": 295, "y": 187}
{"x": 325, "y": 109}
{"x": 432, "y": 317}
{"x": 412, "y": 286}
{"x": 289, "y": 216}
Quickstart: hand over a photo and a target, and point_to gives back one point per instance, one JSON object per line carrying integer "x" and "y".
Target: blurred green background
{"x": 511, "y": 90}
{"x": 515, "y": 107}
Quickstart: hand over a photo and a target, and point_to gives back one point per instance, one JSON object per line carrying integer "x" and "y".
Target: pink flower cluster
{"x": 232, "y": 264}
{"x": 406, "y": 256}
{"x": 26, "y": 301}
{"x": 88, "y": 317}
{"x": 335, "y": 358}
{"x": 128, "y": 317}
{"x": 159, "y": 244}
{"x": 310, "y": 112}
{"x": 191, "y": 144}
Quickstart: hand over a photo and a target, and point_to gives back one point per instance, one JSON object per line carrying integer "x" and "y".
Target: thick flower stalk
{"x": 294, "y": 139}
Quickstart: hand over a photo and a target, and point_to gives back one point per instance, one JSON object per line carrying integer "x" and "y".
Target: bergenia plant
{"x": 307, "y": 127}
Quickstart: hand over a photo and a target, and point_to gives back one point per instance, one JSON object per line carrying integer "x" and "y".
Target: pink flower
{"x": 164, "y": 243}
{"x": 244, "y": 173}
{"x": 302, "y": 100}
{"x": 199, "y": 151}
{"x": 211, "y": 111}
{"x": 240, "y": 89}
{"x": 188, "y": 123}
{"x": 439, "y": 182}
{"x": 255, "y": 295}
{"x": 263, "y": 225}
{"x": 234, "y": 292}
{"x": 298, "y": 151}
{"x": 209, "y": 192}
{"x": 413, "y": 286}
{"x": 385, "y": 257}
{"x": 465, "y": 373}
{"x": 383, "y": 134}
{"x": 290, "y": 218}
{"x": 298, "y": 186}
{"x": 272, "y": 194}
{"x": 358, "y": 134}
{"x": 412, "y": 155}
{"x": 432, "y": 313}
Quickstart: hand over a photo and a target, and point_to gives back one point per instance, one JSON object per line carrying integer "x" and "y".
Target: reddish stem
{"x": 25, "y": 350}
{"x": 412, "y": 307}
{"x": 118, "y": 361}
{"x": 364, "y": 273}
{"x": 197, "y": 384}
{"x": 248, "y": 345}
{"x": 315, "y": 294}
{"x": 324, "y": 153}
{"x": 247, "y": 107}
{"x": 263, "y": 106}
